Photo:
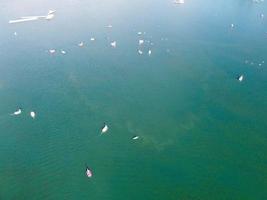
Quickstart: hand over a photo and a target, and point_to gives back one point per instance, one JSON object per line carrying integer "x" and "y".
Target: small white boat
{"x": 232, "y": 25}
{"x": 178, "y": 1}
{"x": 63, "y": 52}
{"x": 240, "y": 78}
{"x": 17, "y": 112}
{"x": 135, "y": 137}
{"x": 92, "y": 39}
{"x": 49, "y": 16}
{"x": 81, "y": 44}
{"x": 104, "y": 129}
{"x": 32, "y": 114}
{"x": 113, "y": 44}
{"x": 15, "y": 33}
{"x": 88, "y": 172}
{"x": 139, "y": 33}
{"x": 149, "y": 52}
{"x": 109, "y": 26}
{"x": 52, "y": 51}
{"x": 140, "y": 52}
{"x": 141, "y": 42}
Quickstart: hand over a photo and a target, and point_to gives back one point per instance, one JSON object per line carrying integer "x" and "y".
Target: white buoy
{"x": 113, "y": 44}
{"x": 17, "y": 112}
{"x": 32, "y": 114}
{"x": 240, "y": 78}
{"x": 135, "y": 137}
{"x": 141, "y": 42}
{"x": 140, "y": 52}
{"x": 149, "y": 52}
{"x": 81, "y": 44}
{"x": 104, "y": 128}
{"x": 52, "y": 51}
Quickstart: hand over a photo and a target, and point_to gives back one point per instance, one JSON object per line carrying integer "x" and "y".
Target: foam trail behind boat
{"x": 39, "y": 16}
{"x": 22, "y": 20}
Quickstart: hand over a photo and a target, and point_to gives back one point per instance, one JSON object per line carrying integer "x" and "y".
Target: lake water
{"x": 202, "y": 133}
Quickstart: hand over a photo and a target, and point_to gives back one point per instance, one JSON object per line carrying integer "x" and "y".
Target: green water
{"x": 202, "y": 133}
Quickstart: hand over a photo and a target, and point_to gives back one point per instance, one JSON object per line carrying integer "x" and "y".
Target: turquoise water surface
{"x": 202, "y": 133}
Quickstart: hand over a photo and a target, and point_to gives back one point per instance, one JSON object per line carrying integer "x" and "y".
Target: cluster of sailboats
{"x": 104, "y": 130}
{"x": 113, "y": 44}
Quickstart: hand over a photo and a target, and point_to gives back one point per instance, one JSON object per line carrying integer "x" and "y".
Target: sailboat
{"x": 88, "y": 172}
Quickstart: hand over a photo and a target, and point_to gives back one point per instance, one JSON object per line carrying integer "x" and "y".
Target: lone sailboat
{"x": 104, "y": 129}
{"x": 88, "y": 172}
{"x": 17, "y": 112}
{"x": 240, "y": 78}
